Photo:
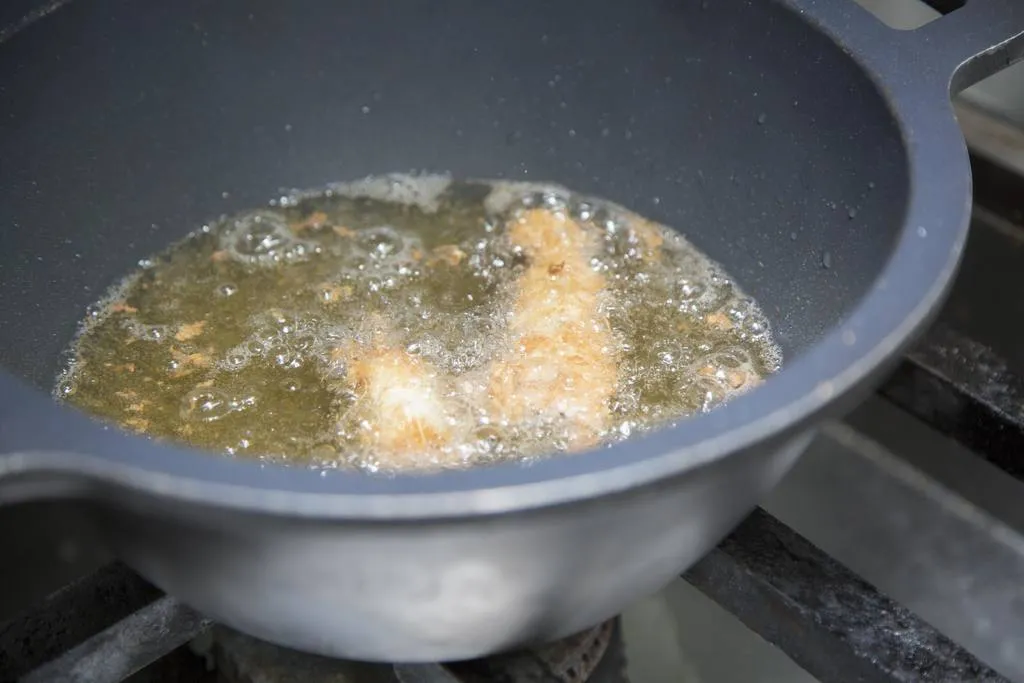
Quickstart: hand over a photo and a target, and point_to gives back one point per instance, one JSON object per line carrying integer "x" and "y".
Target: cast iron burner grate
{"x": 594, "y": 656}
{"x": 147, "y": 647}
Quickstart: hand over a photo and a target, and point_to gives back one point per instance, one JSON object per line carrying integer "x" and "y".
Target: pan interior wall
{"x": 127, "y": 124}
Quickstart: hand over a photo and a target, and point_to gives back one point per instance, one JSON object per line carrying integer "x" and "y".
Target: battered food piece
{"x": 560, "y": 367}
{"x": 402, "y": 413}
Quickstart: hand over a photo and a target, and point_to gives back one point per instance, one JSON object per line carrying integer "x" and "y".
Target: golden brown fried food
{"x": 446, "y": 253}
{"x": 560, "y": 367}
{"x": 401, "y": 408}
{"x": 189, "y": 331}
{"x": 561, "y": 364}
{"x": 317, "y": 219}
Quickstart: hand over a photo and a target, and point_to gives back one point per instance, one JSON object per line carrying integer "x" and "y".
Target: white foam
{"x": 508, "y": 194}
{"x": 420, "y": 190}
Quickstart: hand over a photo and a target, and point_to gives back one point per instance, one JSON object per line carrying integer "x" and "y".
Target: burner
{"x": 582, "y": 657}
{"x": 593, "y": 656}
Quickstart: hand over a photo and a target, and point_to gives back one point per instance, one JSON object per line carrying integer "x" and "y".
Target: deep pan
{"x": 802, "y": 144}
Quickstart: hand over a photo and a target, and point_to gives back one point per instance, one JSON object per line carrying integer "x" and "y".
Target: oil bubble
{"x": 242, "y": 402}
{"x": 710, "y": 392}
{"x": 256, "y": 347}
{"x": 690, "y": 290}
{"x": 756, "y": 324}
{"x": 206, "y": 404}
{"x": 259, "y": 234}
{"x": 235, "y": 360}
{"x": 380, "y": 242}
{"x": 65, "y": 385}
{"x": 262, "y": 238}
{"x": 285, "y": 357}
{"x": 145, "y": 332}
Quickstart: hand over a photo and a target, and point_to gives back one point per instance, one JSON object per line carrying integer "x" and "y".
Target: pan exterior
{"x": 440, "y": 590}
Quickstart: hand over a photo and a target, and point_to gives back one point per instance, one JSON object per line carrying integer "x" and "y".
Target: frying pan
{"x": 801, "y": 143}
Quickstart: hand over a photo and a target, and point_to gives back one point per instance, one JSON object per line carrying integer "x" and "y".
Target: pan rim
{"x": 903, "y": 299}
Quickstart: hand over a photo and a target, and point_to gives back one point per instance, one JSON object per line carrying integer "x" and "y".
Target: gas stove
{"x": 912, "y": 573}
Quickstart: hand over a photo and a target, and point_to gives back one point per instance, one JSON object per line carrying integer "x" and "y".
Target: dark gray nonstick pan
{"x": 801, "y": 143}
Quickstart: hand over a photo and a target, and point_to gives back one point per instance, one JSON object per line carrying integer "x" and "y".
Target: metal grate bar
{"x": 966, "y": 390}
{"x": 828, "y": 620}
{"x": 126, "y": 647}
{"x": 69, "y": 616}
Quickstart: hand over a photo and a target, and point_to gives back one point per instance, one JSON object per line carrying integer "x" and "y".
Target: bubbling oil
{"x": 278, "y": 333}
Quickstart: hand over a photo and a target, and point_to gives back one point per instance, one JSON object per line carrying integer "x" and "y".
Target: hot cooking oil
{"x": 488, "y": 320}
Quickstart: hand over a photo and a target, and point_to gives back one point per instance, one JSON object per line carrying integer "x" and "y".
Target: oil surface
{"x": 408, "y": 322}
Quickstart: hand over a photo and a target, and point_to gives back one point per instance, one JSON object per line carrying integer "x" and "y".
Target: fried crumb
{"x": 736, "y": 378}
{"x": 122, "y": 307}
{"x": 190, "y": 330}
{"x": 127, "y": 394}
{"x": 317, "y": 219}
{"x": 417, "y": 254}
{"x": 137, "y": 407}
{"x": 720, "y": 321}
{"x": 188, "y": 362}
{"x": 200, "y": 360}
{"x": 219, "y": 256}
{"x": 446, "y": 253}
{"x": 332, "y": 292}
{"x": 138, "y": 424}
{"x": 733, "y": 379}
{"x": 342, "y": 231}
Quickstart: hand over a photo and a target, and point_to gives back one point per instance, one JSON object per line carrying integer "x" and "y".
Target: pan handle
{"x": 950, "y": 53}
{"x": 974, "y": 41}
